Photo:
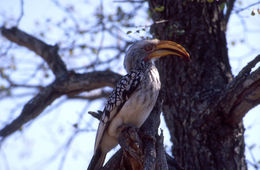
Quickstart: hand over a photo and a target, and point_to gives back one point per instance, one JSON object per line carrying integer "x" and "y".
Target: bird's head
{"x": 145, "y": 50}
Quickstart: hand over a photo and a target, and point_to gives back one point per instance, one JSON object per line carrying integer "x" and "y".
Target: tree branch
{"x": 143, "y": 149}
{"x": 31, "y": 110}
{"x": 47, "y": 52}
{"x": 150, "y": 131}
{"x": 75, "y": 84}
{"x": 161, "y": 156}
{"x": 21, "y": 12}
{"x": 114, "y": 161}
{"x": 249, "y": 6}
{"x": 65, "y": 83}
{"x": 230, "y": 6}
{"x": 99, "y": 95}
{"x": 241, "y": 95}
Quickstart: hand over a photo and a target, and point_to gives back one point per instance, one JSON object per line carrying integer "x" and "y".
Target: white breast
{"x": 140, "y": 104}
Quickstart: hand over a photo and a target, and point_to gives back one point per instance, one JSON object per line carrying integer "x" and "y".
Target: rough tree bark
{"x": 203, "y": 104}
{"x": 204, "y": 119}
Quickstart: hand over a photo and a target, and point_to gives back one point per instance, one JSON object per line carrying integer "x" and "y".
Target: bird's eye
{"x": 148, "y": 47}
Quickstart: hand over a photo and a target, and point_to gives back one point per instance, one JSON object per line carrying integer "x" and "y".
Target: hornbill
{"x": 134, "y": 96}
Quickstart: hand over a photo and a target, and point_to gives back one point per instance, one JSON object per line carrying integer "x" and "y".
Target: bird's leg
{"x": 132, "y": 147}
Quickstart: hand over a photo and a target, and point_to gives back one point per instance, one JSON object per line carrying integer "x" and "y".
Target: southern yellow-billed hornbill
{"x": 134, "y": 96}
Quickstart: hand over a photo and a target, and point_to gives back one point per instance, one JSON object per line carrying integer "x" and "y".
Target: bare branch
{"x": 150, "y": 130}
{"x": 31, "y": 110}
{"x": 101, "y": 94}
{"x": 66, "y": 82}
{"x": 144, "y": 148}
{"x": 67, "y": 147}
{"x": 114, "y": 161}
{"x": 21, "y": 13}
{"x": 242, "y": 9}
{"x": 47, "y": 52}
{"x": 247, "y": 69}
{"x": 75, "y": 84}
{"x": 132, "y": 146}
{"x": 248, "y": 98}
{"x": 254, "y": 164}
{"x": 241, "y": 95}
{"x": 68, "y": 12}
{"x": 88, "y": 81}
{"x": 161, "y": 157}
{"x": 230, "y": 6}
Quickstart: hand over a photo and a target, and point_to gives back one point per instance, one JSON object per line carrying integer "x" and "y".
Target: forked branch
{"x": 242, "y": 94}
{"x": 48, "y": 53}
{"x": 66, "y": 82}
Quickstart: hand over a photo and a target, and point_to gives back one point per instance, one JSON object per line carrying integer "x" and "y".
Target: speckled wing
{"x": 121, "y": 93}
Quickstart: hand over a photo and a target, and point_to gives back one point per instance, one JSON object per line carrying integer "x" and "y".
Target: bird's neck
{"x": 144, "y": 65}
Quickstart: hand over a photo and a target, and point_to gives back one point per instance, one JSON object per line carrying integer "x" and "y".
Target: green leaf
{"x": 222, "y": 6}
{"x": 159, "y": 9}
{"x": 210, "y": 1}
{"x": 2, "y": 87}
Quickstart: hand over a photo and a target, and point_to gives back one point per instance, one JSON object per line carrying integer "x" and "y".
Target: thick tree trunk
{"x": 202, "y": 138}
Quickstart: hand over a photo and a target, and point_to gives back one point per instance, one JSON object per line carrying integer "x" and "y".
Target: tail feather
{"x": 97, "y": 160}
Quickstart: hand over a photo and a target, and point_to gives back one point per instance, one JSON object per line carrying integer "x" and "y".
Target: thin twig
{"x": 242, "y": 9}
{"x": 247, "y": 69}
{"x": 48, "y": 53}
{"x": 230, "y": 6}
{"x": 21, "y": 13}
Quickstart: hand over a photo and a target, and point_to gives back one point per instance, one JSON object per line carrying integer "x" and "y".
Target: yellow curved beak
{"x": 164, "y": 48}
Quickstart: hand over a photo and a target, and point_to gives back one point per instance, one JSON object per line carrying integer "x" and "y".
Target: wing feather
{"x": 121, "y": 93}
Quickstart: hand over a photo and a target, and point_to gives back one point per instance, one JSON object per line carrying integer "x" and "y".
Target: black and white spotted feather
{"x": 121, "y": 93}
{"x": 130, "y": 103}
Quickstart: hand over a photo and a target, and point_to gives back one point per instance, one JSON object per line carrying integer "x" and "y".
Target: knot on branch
{"x": 132, "y": 146}
{"x": 135, "y": 144}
